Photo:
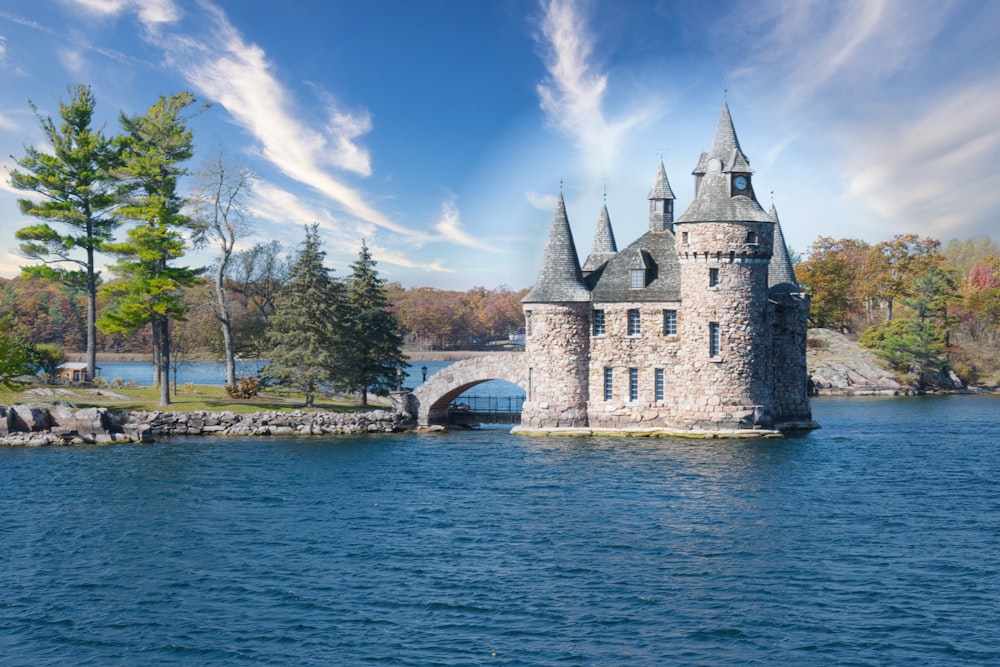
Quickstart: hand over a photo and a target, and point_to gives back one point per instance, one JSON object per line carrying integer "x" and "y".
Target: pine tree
{"x": 78, "y": 191}
{"x": 304, "y": 339}
{"x": 150, "y": 290}
{"x": 373, "y": 348}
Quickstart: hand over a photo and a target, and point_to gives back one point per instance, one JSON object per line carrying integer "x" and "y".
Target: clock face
{"x": 740, "y": 182}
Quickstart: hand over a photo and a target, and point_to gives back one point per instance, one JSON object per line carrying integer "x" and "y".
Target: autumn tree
{"x": 829, "y": 273}
{"x": 889, "y": 268}
{"x": 153, "y": 148}
{"x": 77, "y": 191}
{"x": 304, "y": 336}
{"x": 372, "y": 346}
{"x": 220, "y": 203}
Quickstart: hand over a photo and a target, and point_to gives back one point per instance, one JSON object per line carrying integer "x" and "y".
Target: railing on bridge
{"x": 470, "y": 410}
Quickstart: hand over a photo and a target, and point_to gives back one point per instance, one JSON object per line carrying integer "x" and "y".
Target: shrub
{"x": 246, "y": 387}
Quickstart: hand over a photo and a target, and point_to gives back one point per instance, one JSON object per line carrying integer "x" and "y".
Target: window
{"x": 608, "y": 384}
{"x": 633, "y": 384}
{"x": 714, "y": 340}
{"x": 527, "y": 322}
{"x": 751, "y": 237}
{"x": 658, "y": 383}
{"x": 634, "y": 327}
{"x": 670, "y": 323}
{"x": 713, "y": 277}
{"x": 598, "y": 322}
{"x": 684, "y": 237}
{"x": 637, "y": 278}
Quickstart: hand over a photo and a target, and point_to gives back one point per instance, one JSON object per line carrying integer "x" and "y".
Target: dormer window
{"x": 639, "y": 270}
{"x": 637, "y": 278}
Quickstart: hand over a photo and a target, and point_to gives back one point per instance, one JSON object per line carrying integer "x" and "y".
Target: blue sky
{"x": 441, "y": 131}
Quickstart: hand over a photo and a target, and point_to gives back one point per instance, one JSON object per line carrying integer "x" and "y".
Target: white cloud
{"x": 573, "y": 95}
{"x": 543, "y": 202}
{"x": 934, "y": 172}
{"x": 384, "y": 255}
{"x": 151, "y": 12}
{"x": 237, "y": 75}
{"x": 72, "y": 60}
{"x": 449, "y": 226}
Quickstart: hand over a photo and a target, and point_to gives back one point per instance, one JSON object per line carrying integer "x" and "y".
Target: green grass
{"x": 189, "y": 397}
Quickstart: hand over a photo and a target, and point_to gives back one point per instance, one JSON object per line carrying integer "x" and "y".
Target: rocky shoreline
{"x": 59, "y": 424}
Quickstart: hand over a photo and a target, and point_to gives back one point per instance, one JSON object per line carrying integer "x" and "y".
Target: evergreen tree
{"x": 150, "y": 290}
{"x": 303, "y": 339}
{"x": 78, "y": 192}
{"x": 15, "y": 354}
{"x": 373, "y": 348}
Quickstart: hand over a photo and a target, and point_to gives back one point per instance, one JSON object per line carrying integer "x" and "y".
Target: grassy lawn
{"x": 188, "y": 399}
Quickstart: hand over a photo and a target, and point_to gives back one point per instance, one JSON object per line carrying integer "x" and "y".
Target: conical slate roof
{"x": 604, "y": 247}
{"x": 781, "y": 272}
{"x": 661, "y": 188}
{"x": 725, "y": 147}
{"x": 560, "y": 279}
{"x": 714, "y": 201}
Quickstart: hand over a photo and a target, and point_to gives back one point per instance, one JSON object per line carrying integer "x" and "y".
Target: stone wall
{"x": 733, "y": 389}
{"x": 557, "y": 357}
{"x": 60, "y": 424}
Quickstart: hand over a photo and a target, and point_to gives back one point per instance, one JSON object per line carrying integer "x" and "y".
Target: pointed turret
{"x": 560, "y": 279}
{"x": 661, "y": 203}
{"x": 604, "y": 247}
{"x": 781, "y": 272}
{"x": 723, "y": 192}
{"x": 727, "y": 155}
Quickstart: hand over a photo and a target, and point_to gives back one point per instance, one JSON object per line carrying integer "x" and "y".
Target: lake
{"x": 873, "y": 541}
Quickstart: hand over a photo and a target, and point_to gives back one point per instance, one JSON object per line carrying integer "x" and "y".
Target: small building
{"x": 73, "y": 372}
{"x": 697, "y": 325}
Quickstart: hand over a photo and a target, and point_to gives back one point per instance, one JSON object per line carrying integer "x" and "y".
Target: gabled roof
{"x": 661, "y": 188}
{"x": 781, "y": 272}
{"x": 604, "y": 246}
{"x": 653, "y": 251}
{"x": 560, "y": 279}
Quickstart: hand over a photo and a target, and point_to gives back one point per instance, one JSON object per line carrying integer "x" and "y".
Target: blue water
{"x": 874, "y": 541}
{"x": 207, "y": 372}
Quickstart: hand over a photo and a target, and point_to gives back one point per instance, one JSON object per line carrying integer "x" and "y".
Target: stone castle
{"x": 698, "y": 325}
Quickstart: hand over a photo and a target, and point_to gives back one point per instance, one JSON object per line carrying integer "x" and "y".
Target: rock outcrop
{"x": 839, "y": 365}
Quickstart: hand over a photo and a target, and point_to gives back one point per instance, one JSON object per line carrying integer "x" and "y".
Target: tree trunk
{"x": 91, "y": 317}
{"x": 164, "y": 361}
{"x": 224, "y": 320}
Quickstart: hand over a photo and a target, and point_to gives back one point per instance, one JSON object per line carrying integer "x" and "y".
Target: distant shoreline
{"x": 413, "y": 355}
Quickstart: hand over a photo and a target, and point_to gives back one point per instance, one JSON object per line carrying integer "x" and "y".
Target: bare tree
{"x": 219, "y": 201}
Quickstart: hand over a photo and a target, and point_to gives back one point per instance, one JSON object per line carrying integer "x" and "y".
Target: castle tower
{"x": 789, "y": 326}
{"x": 724, "y": 244}
{"x": 661, "y": 203}
{"x": 604, "y": 246}
{"x": 557, "y": 334}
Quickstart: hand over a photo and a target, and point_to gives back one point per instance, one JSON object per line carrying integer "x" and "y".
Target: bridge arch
{"x": 433, "y": 397}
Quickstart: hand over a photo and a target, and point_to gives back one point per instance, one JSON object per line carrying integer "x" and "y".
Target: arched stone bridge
{"x": 433, "y": 397}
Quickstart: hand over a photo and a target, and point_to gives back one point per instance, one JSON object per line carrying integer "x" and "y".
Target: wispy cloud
{"x": 151, "y": 12}
{"x": 449, "y": 226}
{"x": 543, "y": 202}
{"x": 574, "y": 93}
{"x": 937, "y": 170}
{"x": 397, "y": 258}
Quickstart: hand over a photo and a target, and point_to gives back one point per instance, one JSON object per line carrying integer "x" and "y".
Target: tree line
{"x": 925, "y": 308}
{"x": 85, "y": 186}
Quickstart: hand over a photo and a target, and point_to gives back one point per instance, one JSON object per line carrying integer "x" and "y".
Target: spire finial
{"x": 560, "y": 187}
{"x": 772, "y": 198}
{"x": 605, "y": 191}
{"x": 725, "y": 87}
